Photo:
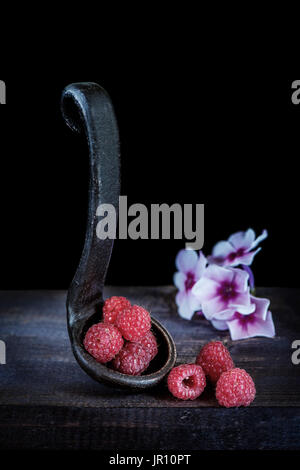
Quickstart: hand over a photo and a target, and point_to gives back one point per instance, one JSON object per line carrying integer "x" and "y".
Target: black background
{"x": 229, "y": 142}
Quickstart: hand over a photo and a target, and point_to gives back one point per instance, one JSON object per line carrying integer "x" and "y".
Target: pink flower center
{"x": 227, "y": 291}
{"x": 190, "y": 281}
{"x": 244, "y": 319}
{"x": 236, "y": 254}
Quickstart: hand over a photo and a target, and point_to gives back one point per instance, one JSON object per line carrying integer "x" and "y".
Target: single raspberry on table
{"x": 149, "y": 343}
{"x": 131, "y": 360}
{"x": 186, "y": 381}
{"x": 235, "y": 387}
{"x": 103, "y": 341}
{"x": 214, "y": 359}
{"x": 133, "y": 323}
{"x": 113, "y": 306}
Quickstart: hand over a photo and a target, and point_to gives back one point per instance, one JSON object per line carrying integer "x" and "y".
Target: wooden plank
{"x": 157, "y": 429}
{"x": 42, "y": 387}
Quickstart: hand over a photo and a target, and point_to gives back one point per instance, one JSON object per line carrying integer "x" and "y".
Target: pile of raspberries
{"x": 123, "y": 338}
{"x": 234, "y": 386}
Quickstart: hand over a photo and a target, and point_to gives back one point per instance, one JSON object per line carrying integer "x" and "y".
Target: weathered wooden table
{"x": 48, "y": 402}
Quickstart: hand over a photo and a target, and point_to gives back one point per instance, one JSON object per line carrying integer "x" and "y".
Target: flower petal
{"x": 224, "y": 315}
{"x": 259, "y": 239}
{"x": 183, "y": 304}
{"x": 242, "y": 239}
{"x": 242, "y": 303}
{"x": 258, "y": 327}
{"x": 219, "y": 325}
{"x": 247, "y": 258}
{"x": 180, "y": 297}
{"x": 179, "y": 280}
{"x": 194, "y": 302}
{"x": 241, "y": 278}
{"x": 231, "y": 263}
{"x": 222, "y": 249}
{"x": 251, "y": 275}
{"x": 200, "y": 266}
{"x": 186, "y": 260}
{"x": 205, "y": 289}
{"x": 261, "y": 306}
{"x": 218, "y": 273}
{"x": 238, "y": 330}
{"x": 262, "y": 327}
{"x": 212, "y": 307}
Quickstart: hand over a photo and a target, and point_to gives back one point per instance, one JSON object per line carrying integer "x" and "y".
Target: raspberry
{"x": 134, "y": 323}
{"x": 235, "y": 388}
{"x": 214, "y": 359}
{"x": 132, "y": 359}
{"x": 186, "y": 381}
{"x": 113, "y": 306}
{"x": 149, "y": 344}
{"x": 103, "y": 341}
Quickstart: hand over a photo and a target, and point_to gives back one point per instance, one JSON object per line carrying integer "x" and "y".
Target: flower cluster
{"x": 220, "y": 290}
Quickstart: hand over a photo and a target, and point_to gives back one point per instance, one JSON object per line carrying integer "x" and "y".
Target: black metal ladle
{"x": 87, "y": 108}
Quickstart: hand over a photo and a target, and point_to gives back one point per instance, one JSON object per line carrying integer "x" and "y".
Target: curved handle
{"x": 87, "y": 108}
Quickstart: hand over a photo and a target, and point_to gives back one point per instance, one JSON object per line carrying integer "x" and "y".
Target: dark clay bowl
{"x": 87, "y": 109}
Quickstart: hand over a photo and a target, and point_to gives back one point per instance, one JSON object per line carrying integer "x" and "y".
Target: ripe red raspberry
{"x": 134, "y": 323}
{"x": 132, "y": 359}
{"x": 186, "y": 381}
{"x": 235, "y": 388}
{"x": 214, "y": 359}
{"x": 103, "y": 341}
{"x": 113, "y": 306}
{"x": 149, "y": 344}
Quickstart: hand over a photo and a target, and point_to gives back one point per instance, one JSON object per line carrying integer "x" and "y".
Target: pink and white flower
{"x": 238, "y": 249}
{"x": 190, "y": 269}
{"x": 258, "y": 323}
{"x": 221, "y": 291}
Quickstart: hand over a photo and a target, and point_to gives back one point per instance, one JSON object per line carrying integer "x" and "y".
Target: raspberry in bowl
{"x": 128, "y": 347}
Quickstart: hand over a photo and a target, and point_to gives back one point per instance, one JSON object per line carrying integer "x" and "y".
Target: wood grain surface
{"x": 48, "y": 402}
